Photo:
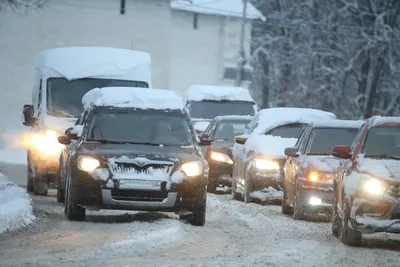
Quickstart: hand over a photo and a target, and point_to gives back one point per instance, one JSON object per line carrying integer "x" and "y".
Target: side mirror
{"x": 71, "y": 134}
{"x": 291, "y": 152}
{"x": 64, "y": 140}
{"x": 240, "y": 140}
{"x": 29, "y": 119}
{"x": 205, "y": 142}
{"x": 342, "y": 152}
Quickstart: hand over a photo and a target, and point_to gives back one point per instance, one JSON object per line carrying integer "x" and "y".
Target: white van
{"x": 205, "y": 102}
{"x": 62, "y": 77}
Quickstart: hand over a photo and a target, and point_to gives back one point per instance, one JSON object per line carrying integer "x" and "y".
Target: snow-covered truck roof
{"x": 379, "y": 121}
{"x": 338, "y": 124}
{"x": 229, "y": 8}
{"x": 94, "y": 62}
{"x": 273, "y": 117}
{"x": 217, "y": 93}
{"x": 131, "y": 97}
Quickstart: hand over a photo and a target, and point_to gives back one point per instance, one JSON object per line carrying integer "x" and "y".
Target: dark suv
{"x": 133, "y": 150}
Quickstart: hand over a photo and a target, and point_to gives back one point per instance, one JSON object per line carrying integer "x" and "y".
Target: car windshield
{"x": 227, "y": 130}
{"x": 64, "y": 97}
{"x": 322, "y": 140}
{"x": 293, "y": 130}
{"x": 383, "y": 142}
{"x": 212, "y": 109}
{"x": 150, "y": 127}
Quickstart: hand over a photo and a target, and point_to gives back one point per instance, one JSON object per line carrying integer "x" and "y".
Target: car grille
{"x": 394, "y": 191}
{"x": 132, "y": 166}
{"x": 138, "y": 195}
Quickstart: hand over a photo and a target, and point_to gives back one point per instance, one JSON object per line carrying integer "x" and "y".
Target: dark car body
{"x": 309, "y": 168}
{"x": 222, "y": 131}
{"x": 132, "y": 175}
{"x": 367, "y": 183}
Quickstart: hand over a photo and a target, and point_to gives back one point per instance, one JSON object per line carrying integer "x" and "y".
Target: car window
{"x": 145, "y": 127}
{"x": 293, "y": 130}
{"x": 210, "y": 128}
{"x": 322, "y": 140}
{"x": 305, "y": 139}
{"x": 252, "y": 124}
{"x": 227, "y": 130}
{"x": 381, "y": 141}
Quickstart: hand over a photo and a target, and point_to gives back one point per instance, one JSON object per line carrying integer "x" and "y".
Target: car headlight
{"x": 264, "y": 164}
{"x": 46, "y": 143}
{"x": 192, "y": 168}
{"x": 315, "y": 176}
{"x": 221, "y": 157}
{"x": 88, "y": 164}
{"x": 374, "y": 186}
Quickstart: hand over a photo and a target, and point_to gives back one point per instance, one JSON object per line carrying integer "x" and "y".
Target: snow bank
{"x": 384, "y": 168}
{"x": 269, "y": 145}
{"x": 13, "y": 156}
{"x": 15, "y": 206}
{"x": 133, "y": 98}
{"x": 232, "y": 8}
{"x": 339, "y": 123}
{"x": 379, "y": 120}
{"x": 100, "y": 62}
{"x": 217, "y": 93}
{"x": 273, "y": 117}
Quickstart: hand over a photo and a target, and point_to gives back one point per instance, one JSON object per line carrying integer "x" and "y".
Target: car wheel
{"x": 298, "y": 210}
{"x": 348, "y": 236}
{"x": 336, "y": 221}
{"x": 60, "y": 191}
{"x": 30, "y": 175}
{"x": 72, "y": 210}
{"x": 211, "y": 187}
{"x": 40, "y": 188}
{"x": 286, "y": 209}
{"x": 198, "y": 218}
{"x": 247, "y": 188}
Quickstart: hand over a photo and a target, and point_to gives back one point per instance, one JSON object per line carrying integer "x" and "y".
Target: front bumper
{"x": 369, "y": 215}
{"x": 95, "y": 195}
{"x": 260, "y": 179}
{"x": 220, "y": 173}
{"x": 315, "y": 197}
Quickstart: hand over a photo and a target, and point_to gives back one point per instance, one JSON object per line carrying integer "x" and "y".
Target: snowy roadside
{"x": 15, "y": 206}
{"x": 13, "y": 156}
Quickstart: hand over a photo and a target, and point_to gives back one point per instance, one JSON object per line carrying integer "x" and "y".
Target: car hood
{"x": 167, "y": 153}
{"x": 387, "y": 169}
{"x": 321, "y": 163}
{"x": 223, "y": 146}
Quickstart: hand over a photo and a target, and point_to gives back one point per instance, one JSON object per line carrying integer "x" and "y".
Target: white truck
{"x": 62, "y": 77}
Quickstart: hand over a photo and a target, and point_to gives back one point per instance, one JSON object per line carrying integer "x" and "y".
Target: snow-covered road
{"x": 236, "y": 234}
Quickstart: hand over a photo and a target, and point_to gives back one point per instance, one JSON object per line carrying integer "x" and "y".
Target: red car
{"x": 367, "y": 184}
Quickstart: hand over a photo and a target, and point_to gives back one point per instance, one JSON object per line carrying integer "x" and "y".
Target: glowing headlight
{"x": 192, "y": 168}
{"x": 51, "y": 134}
{"x": 315, "y": 176}
{"x": 264, "y": 164}
{"x": 375, "y": 187}
{"x": 221, "y": 157}
{"x": 46, "y": 143}
{"x": 88, "y": 164}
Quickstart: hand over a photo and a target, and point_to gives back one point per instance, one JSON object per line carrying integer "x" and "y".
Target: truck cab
{"x": 62, "y": 76}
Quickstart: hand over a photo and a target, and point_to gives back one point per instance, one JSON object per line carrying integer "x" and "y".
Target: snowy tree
{"x": 14, "y": 4}
{"x": 341, "y": 56}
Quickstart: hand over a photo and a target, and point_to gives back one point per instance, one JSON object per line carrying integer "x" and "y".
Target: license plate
{"x": 139, "y": 183}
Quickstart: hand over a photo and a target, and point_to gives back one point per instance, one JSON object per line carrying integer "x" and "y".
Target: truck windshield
{"x": 211, "y": 109}
{"x": 64, "y": 97}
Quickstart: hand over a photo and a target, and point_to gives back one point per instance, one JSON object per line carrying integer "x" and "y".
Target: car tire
{"x": 348, "y": 236}
{"x": 234, "y": 194}
{"x": 298, "y": 210}
{"x": 211, "y": 187}
{"x": 40, "y": 188}
{"x": 247, "y": 189}
{"x": 30, "y": 175}
{"x": 198, "y": 218}
{"x": 336, "y": 220}
{"x": 286, "y": 209}
{"x": 72, "y": 210}
{"x": 60, "y": 192}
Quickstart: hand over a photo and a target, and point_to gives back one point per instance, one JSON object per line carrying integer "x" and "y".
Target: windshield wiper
{"x": 384, "y": 156}
{"x": 62, "y": 113}
{"x": 105, "y": 141}
{"x": 318, "y": 154}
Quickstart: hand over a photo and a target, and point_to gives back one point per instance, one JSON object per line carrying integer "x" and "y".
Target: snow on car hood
{"x": 269, "y": 145}
{"x": 387, "y": 169}
{"x": 321, "y": 163}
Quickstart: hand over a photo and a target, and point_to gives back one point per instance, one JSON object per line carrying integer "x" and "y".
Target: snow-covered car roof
{"x": 235, "y": 117}
{"x": 231, "y": 8}
{"x": 338, "y": 123}
{"x": 217, "y": 93}
{"x": 273, "y": 117}
{"x": 377, "y": 121}
{"x": 131, "y": 97}
{"x": 98, "y": 62}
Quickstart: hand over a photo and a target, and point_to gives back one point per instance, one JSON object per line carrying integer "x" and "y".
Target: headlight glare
{"x": 374, "y": 187}
{"x": 192, "y": 168}
{"x": 88, "y": 164}
{"x": 264, "y": 164}
{"x": 221, "y": 157}
{"x": 315, "y": 176}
